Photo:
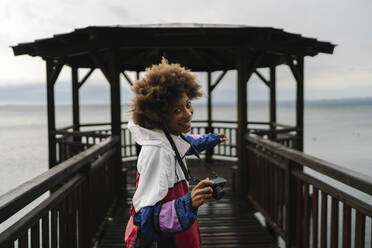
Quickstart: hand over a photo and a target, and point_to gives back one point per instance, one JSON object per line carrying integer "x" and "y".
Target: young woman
{"x": 164, "y": 211}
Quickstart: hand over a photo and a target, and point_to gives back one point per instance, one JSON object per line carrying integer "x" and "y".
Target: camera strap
{"x": 185, "y": 171}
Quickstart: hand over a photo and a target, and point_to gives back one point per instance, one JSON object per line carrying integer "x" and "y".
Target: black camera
{"x": 217, "y": 186}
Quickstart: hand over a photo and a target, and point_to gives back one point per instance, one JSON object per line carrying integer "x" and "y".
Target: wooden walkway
{"x": 225, "y": 223}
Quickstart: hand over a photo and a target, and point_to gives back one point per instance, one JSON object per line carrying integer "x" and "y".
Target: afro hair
{"x": 162, "y": 85}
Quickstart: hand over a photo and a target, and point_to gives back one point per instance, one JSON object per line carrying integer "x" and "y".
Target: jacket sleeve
{"x": 202, "y": 142}
{"x": 166, "y": 218}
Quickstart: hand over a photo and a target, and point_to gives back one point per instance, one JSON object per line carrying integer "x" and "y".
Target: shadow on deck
{"x": 229, "y": 222}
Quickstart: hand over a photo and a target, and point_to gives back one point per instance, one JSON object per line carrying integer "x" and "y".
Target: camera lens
{"x": 218, "y": 192}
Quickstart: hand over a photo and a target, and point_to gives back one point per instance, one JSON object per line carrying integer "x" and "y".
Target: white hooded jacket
{"x": 157, "y": 165}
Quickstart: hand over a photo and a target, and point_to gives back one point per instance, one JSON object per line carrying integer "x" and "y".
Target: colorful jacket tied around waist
{"x": 161, "y": 212}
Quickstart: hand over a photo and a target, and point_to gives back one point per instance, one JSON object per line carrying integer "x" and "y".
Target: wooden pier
{"x": 229, "y": 222}
{"x": 89, "y": 186}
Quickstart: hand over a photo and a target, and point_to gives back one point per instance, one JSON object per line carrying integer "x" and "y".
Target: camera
{"x": 217, "y": 186}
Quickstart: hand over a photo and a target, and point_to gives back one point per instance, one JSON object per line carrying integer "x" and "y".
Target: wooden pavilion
{"x": 86, "y": 166}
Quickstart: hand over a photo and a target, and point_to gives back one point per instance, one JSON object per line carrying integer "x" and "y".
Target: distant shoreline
{"x": 360, "y": 100}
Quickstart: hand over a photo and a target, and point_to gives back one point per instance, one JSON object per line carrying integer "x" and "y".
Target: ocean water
{"x": 334, "y": 131}
{"x": 339, "y": 132}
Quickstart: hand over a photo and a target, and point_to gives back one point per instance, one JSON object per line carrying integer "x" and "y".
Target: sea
{"x": 338, "y": 131}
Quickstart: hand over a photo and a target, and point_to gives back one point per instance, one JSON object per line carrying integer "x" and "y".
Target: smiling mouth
{"x": 186, "y": 124}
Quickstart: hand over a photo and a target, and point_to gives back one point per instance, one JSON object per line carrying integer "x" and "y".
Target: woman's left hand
{"x": 222, "y": 137}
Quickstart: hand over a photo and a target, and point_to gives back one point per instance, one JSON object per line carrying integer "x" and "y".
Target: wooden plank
{"x": 299, "y": 213}
{"x": 23, "y": 240}
{"x": 290, "y": 195}
{"x": 315, "y": 216}
{"x": 334, "y": 223}
{"x": 54, "y": 230}
{"x": 229, "y": 222}
{"x": 346, "y": 227}
{"x": 306, "y": 215}
{"x": 73, "y": 219}
{"x": 360, "y": 228}
{"x": 62, "y": 224}
{"x": 45, "y": 231}
{"x": 324, "y": 227}
{"x": 35, "y": 235}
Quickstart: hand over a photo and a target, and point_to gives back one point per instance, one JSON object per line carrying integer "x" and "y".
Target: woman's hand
{"x": 201, "y": 193}
{"x": 222, "y": 137}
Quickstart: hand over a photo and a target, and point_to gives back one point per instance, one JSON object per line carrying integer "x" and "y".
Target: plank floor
{"x": 226, "y": 223}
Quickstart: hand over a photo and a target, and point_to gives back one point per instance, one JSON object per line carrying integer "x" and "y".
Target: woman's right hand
{"x": 201, "y": 193}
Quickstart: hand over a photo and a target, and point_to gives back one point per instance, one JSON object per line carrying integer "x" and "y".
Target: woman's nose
{"x": 188, "y": 113}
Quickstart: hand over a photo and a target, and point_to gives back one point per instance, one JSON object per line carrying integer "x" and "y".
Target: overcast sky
{"x": 345, "y": 74}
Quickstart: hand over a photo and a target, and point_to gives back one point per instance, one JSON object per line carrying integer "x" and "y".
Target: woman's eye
{"x": 188, "y": 105}
{"x": 177, "y": 110}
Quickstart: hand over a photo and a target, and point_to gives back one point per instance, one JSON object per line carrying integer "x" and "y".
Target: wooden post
{"x": 245, "y": 71}
{"x": 298, "y": 73}
{"x": 290, "y": 198}
{"x": 111, "y": 70}
{"x": 209, "y": 129}
{"x": 53, "y": 68}
{"x": 272, "y": 94}
{"x": 114, "y": 79}
{"x": 242, "y": 67}
{"x": 300, "y": 104}
{"x": 138, "y": 147}
{"x": 272, "y": 99}
{"x": 75, "y": 99}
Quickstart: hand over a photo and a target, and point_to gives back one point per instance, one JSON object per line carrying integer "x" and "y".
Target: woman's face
{"x": 179, "y": 118}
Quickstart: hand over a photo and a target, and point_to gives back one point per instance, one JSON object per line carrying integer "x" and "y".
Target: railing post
{"x": 290, "y": 204}
{"x": 209, "y": 152}
{"x": 209, "y": 129}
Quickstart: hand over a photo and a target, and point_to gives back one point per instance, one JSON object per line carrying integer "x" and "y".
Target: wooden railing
{"x": 70, "y": 142}
{"x": 225, "y": 149}
{"x": 298, "y": 206}
{"x": 303, "y": 209}
{"x": 83, "y": 191}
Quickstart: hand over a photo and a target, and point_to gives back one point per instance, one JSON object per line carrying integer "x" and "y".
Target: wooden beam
{"x": 267, "y": 82}
{"x": 75, "y": 99}
{"x": 127, "y": 78}
{"x": 272, "y": 111}
{"x": 218, "y": 80}
{"x": 100, "y": 64}
{"x": 53, "y": 68}
{"x": 293, "y": 68}
{"x": 273, "y": 94}
{"x": 300, "y": 104}
{"x": 86, "y": 77}
{"x": 298, "y": 73}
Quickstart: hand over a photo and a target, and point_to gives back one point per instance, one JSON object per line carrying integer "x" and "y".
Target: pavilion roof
{"x": 201, "y": 47}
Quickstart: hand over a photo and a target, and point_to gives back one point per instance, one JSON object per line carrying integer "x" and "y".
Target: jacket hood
{"x": 156, "y": 137}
